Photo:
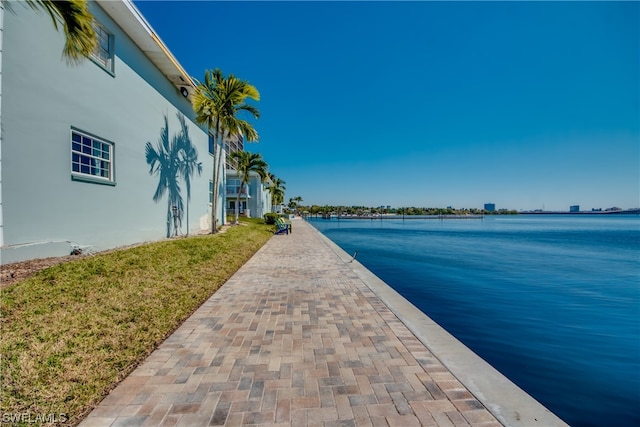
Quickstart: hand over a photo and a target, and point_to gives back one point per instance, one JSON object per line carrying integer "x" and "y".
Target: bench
{"x": 287, "y": 222}
{"x": 281, "y": 226}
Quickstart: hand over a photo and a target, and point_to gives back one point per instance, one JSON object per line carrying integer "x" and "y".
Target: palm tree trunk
{"x": 238, "y": 201}
{"x": 214, "y": 198}
{"x": 215, "y": 179}
{"x": 220, "y": 148}
{"x": 213, "y": 186}
{"x": 219, "y": 170}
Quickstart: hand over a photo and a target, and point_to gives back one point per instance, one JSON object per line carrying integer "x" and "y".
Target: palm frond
{"x": 250, "y": 109}
{"x": 81, "y": 39}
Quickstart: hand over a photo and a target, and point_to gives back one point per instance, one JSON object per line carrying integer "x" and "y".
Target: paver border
{"x": 511, "y": 405}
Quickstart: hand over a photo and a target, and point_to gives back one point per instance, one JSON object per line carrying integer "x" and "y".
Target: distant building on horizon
{"x": 574, "y": 208}
{"x": 490, "y": 207}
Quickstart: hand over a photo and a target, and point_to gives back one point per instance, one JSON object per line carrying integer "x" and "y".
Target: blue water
{"x": 552, "y": 302}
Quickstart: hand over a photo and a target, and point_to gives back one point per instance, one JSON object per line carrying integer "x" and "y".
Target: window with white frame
{"x": 103, "y": 53}
{"x": 91, "y": 157}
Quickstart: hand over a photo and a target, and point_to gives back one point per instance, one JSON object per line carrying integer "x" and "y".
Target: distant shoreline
{"x": 468, "y": 216}
{"x": 620, "y": 212}
{"x": 393, "y": 216}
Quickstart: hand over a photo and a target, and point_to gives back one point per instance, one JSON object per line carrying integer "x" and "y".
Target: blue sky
{"x": 434, "y": 104}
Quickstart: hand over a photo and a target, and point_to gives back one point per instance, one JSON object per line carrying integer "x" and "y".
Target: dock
{"x": 305, "y": 335}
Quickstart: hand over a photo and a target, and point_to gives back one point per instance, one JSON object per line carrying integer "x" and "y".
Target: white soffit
{"x": 129, "y": 18}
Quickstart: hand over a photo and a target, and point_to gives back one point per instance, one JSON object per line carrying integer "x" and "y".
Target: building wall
{"x": 1, "y": 34}
{"x": 43, "y": 98}
{"x": 263, "y": 196}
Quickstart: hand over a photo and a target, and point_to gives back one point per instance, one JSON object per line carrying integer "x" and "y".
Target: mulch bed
{"x": 12, "y": 273}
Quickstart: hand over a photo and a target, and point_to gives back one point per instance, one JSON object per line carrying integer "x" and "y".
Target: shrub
{"x": 270, "y": 218}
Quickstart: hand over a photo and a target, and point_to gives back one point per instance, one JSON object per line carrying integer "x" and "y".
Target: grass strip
{"x": 72, "y": 332}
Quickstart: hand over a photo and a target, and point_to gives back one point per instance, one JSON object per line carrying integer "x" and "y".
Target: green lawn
{"x": 73, "y": 331}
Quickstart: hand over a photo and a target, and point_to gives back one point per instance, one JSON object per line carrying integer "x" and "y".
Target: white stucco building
{"x": 255, "y": 198}
{"x": 73, "y": 167}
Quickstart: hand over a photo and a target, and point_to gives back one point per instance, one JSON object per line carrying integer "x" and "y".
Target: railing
{"x": 233, "y": 190}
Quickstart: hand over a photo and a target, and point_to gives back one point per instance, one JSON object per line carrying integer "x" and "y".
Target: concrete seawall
{"x": 301, "y": 335}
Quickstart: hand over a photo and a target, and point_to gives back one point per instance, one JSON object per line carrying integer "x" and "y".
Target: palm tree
{"x": 189, "y": 164}
{"x": 217, "y": 103}
{"x": 295, "y": 201}
{"x": 164, "y": 160}
{"x": 81, "y": 38}
{"x": 276, "y": 190}
{"x": 245, "y": 164}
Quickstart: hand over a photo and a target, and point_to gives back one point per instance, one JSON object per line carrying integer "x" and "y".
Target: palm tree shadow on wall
{"x": 174, "y": 158}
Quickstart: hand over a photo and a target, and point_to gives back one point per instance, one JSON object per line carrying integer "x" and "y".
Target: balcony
{"x": 233, "y": 190}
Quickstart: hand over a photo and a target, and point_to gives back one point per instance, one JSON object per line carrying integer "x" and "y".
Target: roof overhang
{"x": 130, "y": 19}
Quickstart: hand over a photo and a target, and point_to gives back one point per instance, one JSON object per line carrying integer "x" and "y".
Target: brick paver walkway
{"x": 293, "y": 338}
